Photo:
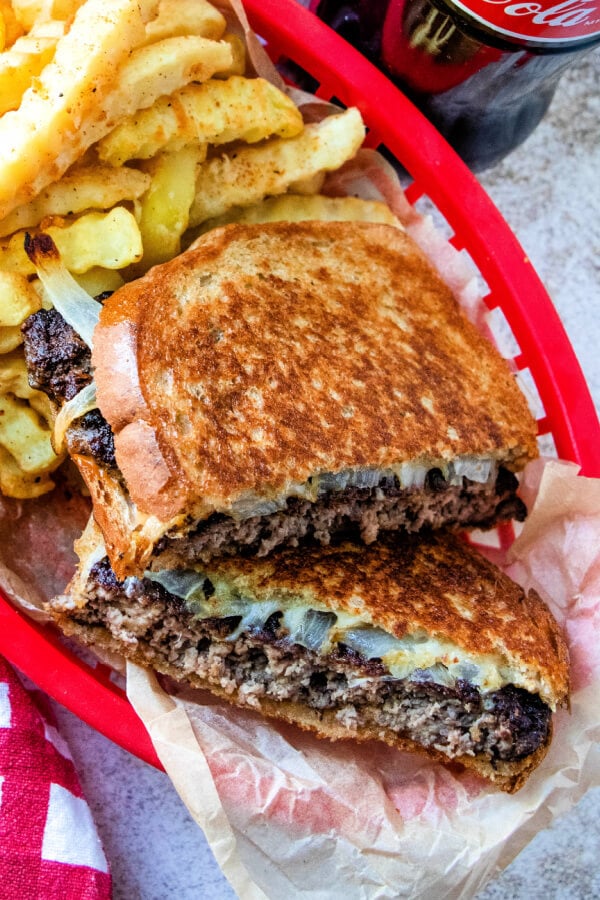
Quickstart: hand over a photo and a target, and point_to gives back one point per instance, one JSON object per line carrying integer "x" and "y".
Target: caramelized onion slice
{"x": 254, "y": 614}
{"x": 371, "y": 643}
{"x": 75, "y": 305}
{"x": 186, "y": 584}
{"x": 78, "y": 406}
{"x": 309, "y": 628}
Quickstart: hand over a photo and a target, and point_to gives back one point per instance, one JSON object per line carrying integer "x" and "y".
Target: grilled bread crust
{"x": 267, "y": 354}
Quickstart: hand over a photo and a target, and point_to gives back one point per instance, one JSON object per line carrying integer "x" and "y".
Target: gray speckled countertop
{"x": 549, "y": 191}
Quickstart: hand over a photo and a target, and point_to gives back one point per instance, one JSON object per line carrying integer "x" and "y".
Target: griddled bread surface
{"x": 267, "y": 354}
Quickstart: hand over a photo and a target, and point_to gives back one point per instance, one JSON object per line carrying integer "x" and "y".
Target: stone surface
{"x": 549, "y": 192}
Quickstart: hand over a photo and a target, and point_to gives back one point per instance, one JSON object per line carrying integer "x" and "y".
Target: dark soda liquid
{"x": 483, "y": 94}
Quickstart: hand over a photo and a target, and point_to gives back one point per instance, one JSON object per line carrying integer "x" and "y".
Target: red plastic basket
{"x": 568, "y": 416}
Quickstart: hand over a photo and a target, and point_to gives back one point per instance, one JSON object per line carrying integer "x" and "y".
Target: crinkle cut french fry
{"x": 98, "y": 280}
{"x": 110, "y": 240}
{"x": 12, "y": 28}
{"x": 30, "y": 12}
{"x": 14, "y": 380}
{"x": 162, "y": 68}
{"x": 15, "y": 483}
{"x": 40, "y": 402}
{"x": 26, "y": 452}
{"x": 13, "y": 375}
{"x": 238, "y": 57}
{"x": 178, "y": 17}
{"x": 40, "y": 140}
{"x": 10, "y": 337}
{"x": 30, "y": 163}
{"x": 14, "y": 259}
{"x": 25, "y": 60}
{"x": 299, "y": 208}
{"x": 18, "y": 299}
{"x": 165, "y": 209}
{"x": 94, "y": 187}
{"x": 249, "y": 174}
{"x": 153, "y": 71}
{"x": 216, "y": 112}
{"x": 25, "y": 437}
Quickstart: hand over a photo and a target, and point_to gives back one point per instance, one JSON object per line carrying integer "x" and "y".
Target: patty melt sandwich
{"x": 281, "y": 382}
{"x": 416, "y": 640}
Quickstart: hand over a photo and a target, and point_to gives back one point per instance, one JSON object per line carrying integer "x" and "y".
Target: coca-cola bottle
{"x": 483, "y": 71}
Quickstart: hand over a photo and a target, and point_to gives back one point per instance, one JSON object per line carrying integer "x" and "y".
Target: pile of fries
{"x": 125, "y": 127}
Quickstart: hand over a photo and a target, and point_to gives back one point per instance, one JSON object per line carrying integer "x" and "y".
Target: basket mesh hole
{"x": 482, "y": 285}
{"x": 485, "y": 538}
{"x": 294, "y": 74}
{"x": 410, "y": 188}
{"x": 427, "y": 207}
{"x": 494, "y": 543}
{"x": 547, "y": 445}
{"x": 337, "y": 102}
{"x": 118, "y": 679}
{"x": 528, "y": 386}
{"x": 504, "y": 338}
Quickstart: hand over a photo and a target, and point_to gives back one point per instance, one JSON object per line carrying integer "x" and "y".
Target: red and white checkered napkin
{"x": 49, "y": 848}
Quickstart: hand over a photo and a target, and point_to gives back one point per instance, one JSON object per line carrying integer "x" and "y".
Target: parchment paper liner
{"x": 286, "y": 814}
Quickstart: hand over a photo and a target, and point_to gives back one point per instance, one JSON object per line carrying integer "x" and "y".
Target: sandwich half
{"x": 283, "y": 382}
{"x": 416, "y": 640}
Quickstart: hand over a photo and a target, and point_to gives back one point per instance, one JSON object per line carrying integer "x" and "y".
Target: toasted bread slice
{"x": 240, "y": 378}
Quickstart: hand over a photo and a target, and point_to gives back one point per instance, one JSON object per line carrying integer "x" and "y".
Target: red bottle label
{"x": 543, "y": 21}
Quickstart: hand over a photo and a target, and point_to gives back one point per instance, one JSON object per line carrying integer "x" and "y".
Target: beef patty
{"x": 352, "y": 512}
{"x": 149, "y": 622}
{"x": 59, "y": 363}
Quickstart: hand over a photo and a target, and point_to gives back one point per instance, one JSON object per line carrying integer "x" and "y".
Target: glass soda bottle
{"x": 483, "y": 71}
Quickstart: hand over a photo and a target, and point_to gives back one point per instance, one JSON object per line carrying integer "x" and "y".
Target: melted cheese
{"x": 418, "y": 656}
{"x": 410, "y": 475}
